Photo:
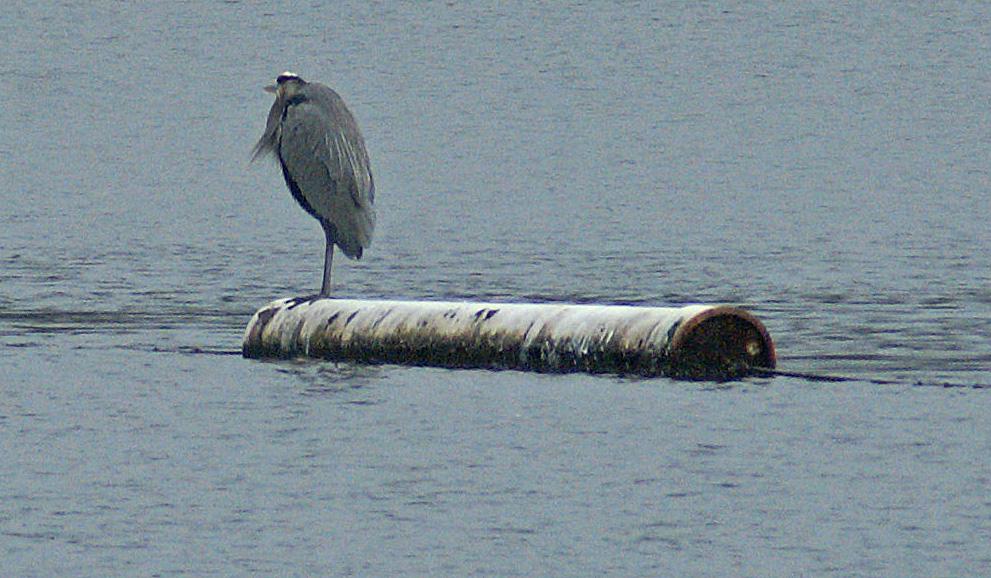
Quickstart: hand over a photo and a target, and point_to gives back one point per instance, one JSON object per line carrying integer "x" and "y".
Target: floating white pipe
{"x": 695, "y": 342}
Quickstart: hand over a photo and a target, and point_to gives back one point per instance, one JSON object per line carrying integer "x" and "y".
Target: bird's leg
{"x": 328, "y": 261}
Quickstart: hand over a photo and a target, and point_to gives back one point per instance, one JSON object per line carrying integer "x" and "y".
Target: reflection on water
{"x": 341, "y": 380}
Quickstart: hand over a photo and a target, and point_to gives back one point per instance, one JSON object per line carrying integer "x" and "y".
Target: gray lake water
{"x": 823, "y": 164}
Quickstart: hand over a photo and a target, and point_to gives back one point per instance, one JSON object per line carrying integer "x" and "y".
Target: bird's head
{"x": 286, "y": 85}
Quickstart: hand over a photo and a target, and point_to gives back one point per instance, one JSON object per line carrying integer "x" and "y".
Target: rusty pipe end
{"x": 720, "y": 343}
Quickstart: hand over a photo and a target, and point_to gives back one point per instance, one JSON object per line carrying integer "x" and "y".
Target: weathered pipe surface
{"x": 692, "y": 342}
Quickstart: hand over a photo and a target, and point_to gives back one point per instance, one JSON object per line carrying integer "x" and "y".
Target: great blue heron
{"x": 317, "y": 142}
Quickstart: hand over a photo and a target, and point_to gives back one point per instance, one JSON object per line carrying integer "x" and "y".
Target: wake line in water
{"x": 194, "y": 350}
{"x": 49, "y": 320}
{"x": 819, "y": 377}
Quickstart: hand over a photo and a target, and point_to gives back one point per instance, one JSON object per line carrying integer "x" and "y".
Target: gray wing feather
{"x": 270, "y": 139}
{"x": 322, "y": 148}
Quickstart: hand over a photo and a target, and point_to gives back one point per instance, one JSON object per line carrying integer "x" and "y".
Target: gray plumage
{"x": 324, "y": 162}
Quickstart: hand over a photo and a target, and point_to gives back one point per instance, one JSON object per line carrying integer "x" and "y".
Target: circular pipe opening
{"x": 720, "y": 343}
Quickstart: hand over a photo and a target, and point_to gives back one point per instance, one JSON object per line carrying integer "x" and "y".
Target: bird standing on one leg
{"x": 324, "y": 161}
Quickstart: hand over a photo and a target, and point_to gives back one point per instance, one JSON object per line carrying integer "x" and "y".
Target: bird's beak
{"x": 271, "y": 88}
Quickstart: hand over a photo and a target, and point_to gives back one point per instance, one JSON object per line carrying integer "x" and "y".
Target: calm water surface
{"x": 824, "y": 165}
